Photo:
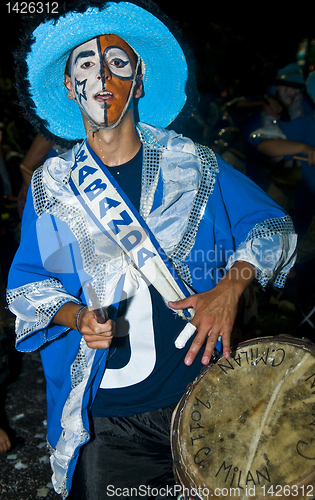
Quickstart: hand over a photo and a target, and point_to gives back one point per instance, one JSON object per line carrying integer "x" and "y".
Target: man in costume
{"x": 136, "y": 219}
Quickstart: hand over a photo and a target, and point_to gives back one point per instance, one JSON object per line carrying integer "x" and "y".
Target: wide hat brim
{"x": 164, "y": 65}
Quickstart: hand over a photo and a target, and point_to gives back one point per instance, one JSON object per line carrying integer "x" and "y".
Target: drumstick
{"x": 301, "y": 158}
{"x": 100, "y": 312}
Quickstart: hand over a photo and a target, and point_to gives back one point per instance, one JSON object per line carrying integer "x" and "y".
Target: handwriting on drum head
{"x": 250, "y": 421}
{"x": 274, "y": 357}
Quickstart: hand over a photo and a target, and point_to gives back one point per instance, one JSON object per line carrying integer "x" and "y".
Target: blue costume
{"x": 233, "y": 220}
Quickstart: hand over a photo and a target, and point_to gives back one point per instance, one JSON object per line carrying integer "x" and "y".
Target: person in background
{"x": 267, "y": 115}
{"x": 293, "y": 142}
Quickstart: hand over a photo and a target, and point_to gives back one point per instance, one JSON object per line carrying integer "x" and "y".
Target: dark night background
{"x": 238, "y": 46}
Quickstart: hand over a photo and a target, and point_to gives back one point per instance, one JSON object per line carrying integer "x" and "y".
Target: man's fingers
{"x": 188, "y": 303}
{"x": 97, "y": 335}
{"x": 214, "y": 340}
{"x": 227, "y": 345}
{"x": 101, "y": 341}
{"x": 97, "y": 344}
{"x": 89, "y": 324}
{"x": 210, "y": 345}
{"x": 104, "y": 328}
{"x": 196, "y": 345}
{"x": 179, "y": 304}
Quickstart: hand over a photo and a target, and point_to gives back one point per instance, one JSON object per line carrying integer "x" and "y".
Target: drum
{"x": 246, "y": 427}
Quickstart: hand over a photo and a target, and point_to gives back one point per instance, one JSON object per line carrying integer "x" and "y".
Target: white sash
{"x": 111, "y": 211}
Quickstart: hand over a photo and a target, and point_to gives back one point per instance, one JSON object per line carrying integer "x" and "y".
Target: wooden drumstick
{"x": 301, "y": 158}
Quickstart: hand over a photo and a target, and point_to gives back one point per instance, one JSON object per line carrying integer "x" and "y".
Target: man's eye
{"x": 119, "y": 63}
{"x": 87, "y": 64}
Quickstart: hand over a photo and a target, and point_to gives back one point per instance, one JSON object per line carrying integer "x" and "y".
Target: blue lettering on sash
{"x": 82, "y": 156}
{"x": 96, "y": 188}
{"x": 131, "y": 240}
{"x": 105, "y": 204}
{"x": 143, "y": 254}
{"x": 126, "y": 220}
{"x": 84, "y": 172}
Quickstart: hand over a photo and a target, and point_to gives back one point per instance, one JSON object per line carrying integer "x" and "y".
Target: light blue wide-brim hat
{"x": 164, "y": 65}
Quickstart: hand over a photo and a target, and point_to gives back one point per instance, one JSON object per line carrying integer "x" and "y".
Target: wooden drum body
{"x": 246, "y": 427}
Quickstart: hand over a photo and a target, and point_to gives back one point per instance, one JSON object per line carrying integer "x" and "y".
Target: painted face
{"x": 287, "y": 94}
{"x": 102, "y": 73}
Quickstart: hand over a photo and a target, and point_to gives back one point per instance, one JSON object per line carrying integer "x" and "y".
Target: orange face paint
{"x": 102, "y": 74}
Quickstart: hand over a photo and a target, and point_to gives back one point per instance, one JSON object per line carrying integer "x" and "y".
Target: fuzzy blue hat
{"x": 40, "y": 69}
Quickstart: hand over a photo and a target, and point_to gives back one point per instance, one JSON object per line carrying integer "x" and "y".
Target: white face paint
{"x": 102, "y": 73}
{"x": 118, "y": 62}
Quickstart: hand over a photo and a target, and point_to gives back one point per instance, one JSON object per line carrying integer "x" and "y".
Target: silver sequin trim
{"x": 31, "y": 288}
{"x": 270, "y": 227}
{"x": 44, "y": 312}
{"x": 150, "y": 177}
{"x": 265, "y": 278}
{"x": 148, "y": 138}
{"x": 78, "y": 367}
{"x": 209, "y": 172}
{"x": 152, "y": 155}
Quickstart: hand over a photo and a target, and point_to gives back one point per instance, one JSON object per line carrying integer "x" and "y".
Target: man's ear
{"x": 138, "y": 90}
{"x": 69, "y": 86}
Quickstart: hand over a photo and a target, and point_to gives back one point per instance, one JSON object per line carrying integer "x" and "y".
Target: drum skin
{"x": 246, "y": 427}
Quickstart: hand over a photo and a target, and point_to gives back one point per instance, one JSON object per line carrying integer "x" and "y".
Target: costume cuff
{"x": 270, "y": 247}
{"x": 34, "y": 306}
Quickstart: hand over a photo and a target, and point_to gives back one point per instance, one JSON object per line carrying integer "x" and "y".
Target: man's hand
{"x": 272, "y": 107}
{"x": 96, "y": 335}
{"x": 215, "y": 311}
{"x": 309, "y": 151}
